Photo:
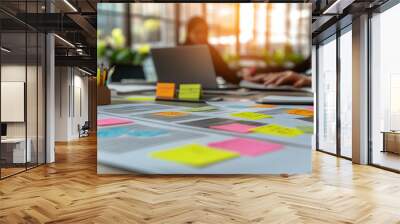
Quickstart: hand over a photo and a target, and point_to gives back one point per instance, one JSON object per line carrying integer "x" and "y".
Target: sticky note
{"x": 301, "y": 112}
{"x": 238, "y": 106}
{"x": 278, "y": 130}
{"x": 234, "y": 127}
{"x": 146, "y": 133}
{"x": 264, "y": 106}
{"x": 247, "y": 147}
{"x": 112, "y": 121}
{"x": 165, "y": 90}
{"x": 112, "y": 132}
{"x": 194, "y": 155}
{"x": 189, "y": 91}
{"x": 251, "y": 115}
{"x": 310, "y": 107}
{"x": 306, "y": 129}
{"x": 202, "y": 109}
{"x": 171, "y": 114}
{"x": 140, "y": 98}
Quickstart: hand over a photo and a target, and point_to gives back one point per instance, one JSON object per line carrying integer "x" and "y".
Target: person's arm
{"x": 221, "y": 68}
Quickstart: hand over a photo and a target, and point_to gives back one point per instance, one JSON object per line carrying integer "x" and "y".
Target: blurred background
{"x": 265, "y": 36}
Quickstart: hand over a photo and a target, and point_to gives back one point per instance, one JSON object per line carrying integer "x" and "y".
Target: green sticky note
{"x": 201, "y": 109}
{"x": 306, "y": 129}
{"x": 278, "y": 130}
{"x": 189, "y": 91}
{"x": 140, "y": 98}
{"x": 251, "y": 115}
{"x": 194, "y": 155}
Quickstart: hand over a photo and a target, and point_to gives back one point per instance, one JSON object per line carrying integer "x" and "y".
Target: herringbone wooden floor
{"x": 70, "y": 191}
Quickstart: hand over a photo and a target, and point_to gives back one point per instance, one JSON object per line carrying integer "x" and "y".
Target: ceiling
{"x": 75, "y": 22}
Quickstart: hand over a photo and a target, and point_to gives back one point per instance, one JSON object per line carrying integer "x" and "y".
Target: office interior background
{"x": 53, "y": 56}
{"x": 39, "y": 108}
{"x": 55, "y": 63}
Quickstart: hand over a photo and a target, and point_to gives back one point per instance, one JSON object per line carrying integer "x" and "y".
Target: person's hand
{"x": 249, "y": 74}
{"x": 286, "y": 78}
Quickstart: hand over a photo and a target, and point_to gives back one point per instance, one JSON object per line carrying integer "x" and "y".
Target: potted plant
{"x": 124, "y": 62}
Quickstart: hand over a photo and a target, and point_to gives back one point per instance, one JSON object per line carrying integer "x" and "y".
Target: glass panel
{"x": 153, "y": 24}
{"x": 385, "y": 86}
{"x": 327, "y": 96}
{"x": 111, "y": 16}
{"x": 222, "y": 34}
{"x": 13, "y": 86}
{"x": 346, "y": 94}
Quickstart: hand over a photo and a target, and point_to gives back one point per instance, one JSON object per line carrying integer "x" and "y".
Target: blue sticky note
{"x": 112, "y": 132}
{"x": 238, "y": 106}
{"x": 146, "y": 133}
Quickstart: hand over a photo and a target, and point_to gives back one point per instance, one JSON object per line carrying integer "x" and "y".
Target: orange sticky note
{"x": 165, "y": 90}
{"x": 301, "y": 112}
{"x": 264, "y": 106}
{"x": 171, "y": 114}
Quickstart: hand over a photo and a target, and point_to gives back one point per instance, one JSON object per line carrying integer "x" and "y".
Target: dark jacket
{"x": 221, "y": 68}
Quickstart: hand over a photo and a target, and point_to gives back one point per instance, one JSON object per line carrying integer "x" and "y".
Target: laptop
{"x": 186, "y": 64}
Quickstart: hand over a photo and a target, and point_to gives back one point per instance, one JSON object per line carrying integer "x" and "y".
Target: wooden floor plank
{"x": 70, "y": 191}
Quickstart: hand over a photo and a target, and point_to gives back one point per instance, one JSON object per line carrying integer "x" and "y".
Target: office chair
{"x": 84, "y": 130}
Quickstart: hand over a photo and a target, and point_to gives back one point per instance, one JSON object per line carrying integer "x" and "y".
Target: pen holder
{"x": 103, "y": 95}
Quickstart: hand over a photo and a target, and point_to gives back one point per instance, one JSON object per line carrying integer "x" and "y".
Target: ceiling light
{"x": 337, "y": 7}
{"x": 5, "y": 50}
{"x": 70, "y": 5}
{"x": 64, "y": 40}
{"x": 84, "y": 71}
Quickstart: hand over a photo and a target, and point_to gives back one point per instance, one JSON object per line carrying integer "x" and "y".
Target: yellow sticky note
{"x": 165, "y": 90}
{"x": 277, "y": 130}
{"x": 194, "y": 155}
{"x": 251, "y": 115}
{"x": 301, "y": 112}
{"x": 171, "y": 114}
{"x": 134, "y": 98}
{"x": 189, "y": 91}
{"x": 264, "y": 106}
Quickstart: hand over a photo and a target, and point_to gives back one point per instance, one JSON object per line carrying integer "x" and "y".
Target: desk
{"x": 391, "y": 141}
{"x": 123, "y": 147}
{"x": 13, "y": 150}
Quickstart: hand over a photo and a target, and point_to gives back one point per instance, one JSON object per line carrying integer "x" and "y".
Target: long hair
{"x": 191, "y": 24}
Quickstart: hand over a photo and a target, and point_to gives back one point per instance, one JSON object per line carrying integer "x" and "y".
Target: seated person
{"x": 197, "y": 33}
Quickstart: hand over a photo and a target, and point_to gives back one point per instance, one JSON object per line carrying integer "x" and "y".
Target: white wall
{"x": 71, "y": 94}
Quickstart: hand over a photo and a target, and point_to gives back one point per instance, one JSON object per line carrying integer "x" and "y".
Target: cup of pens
{"x": 103, "y": 93}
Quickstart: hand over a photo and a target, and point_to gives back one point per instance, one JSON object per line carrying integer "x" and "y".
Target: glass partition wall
{"x": 22, "y": 77}
{"x": 385, "y": 89}
{"x": 334, "y": 94}
{"x": 326, "y": 60}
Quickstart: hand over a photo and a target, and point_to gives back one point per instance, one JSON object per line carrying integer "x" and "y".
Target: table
{"x": 13, "y": 150}
{"x": 391, "y": 141}
{"x": 134, "y": 156}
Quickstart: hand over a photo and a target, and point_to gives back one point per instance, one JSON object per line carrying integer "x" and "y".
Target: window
{"x": 327, "y": 96}
{"x": 152, "y": 24}
{"x": 385, "y": 88}
{"x": 346, "y": 93}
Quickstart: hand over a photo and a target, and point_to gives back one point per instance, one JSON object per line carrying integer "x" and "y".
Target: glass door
{"x": 326, "y": 72}
{"x": 385, "y": 89}
{"x": 346, "y": 92}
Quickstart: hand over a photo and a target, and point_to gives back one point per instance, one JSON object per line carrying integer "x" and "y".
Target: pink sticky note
{"x": 112, "y": 121}
{"x": 310, "y": 107}
{"x": 234, "y": 127}
{"x": 247, "y": 147}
